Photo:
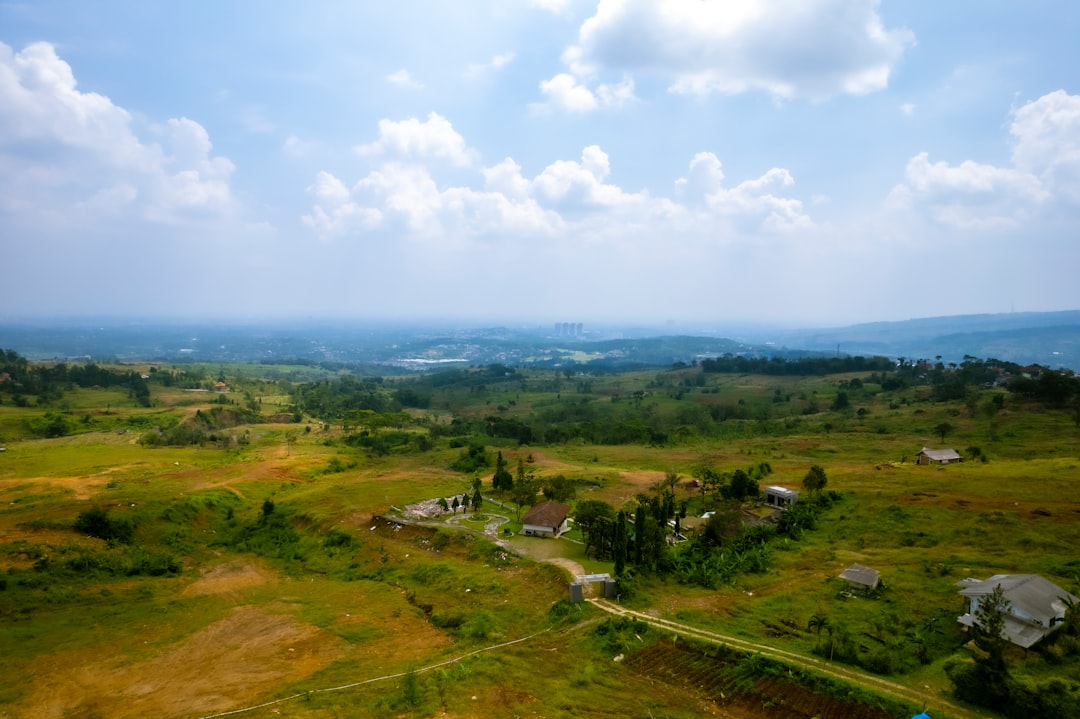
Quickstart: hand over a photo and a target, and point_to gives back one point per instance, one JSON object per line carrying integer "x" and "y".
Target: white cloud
{"x": 495, "y": 63}
{"x": 296, "y": 147}
{"x": 908, "y": 108}
{"x": 564, "y": 92}
{"x": 574, "y": 200}
{"x": 64, "y": 148}
{"x": 756, "y": 202}
{"x": 434, "y": 138}
{"x": 402, "y": 78}
{"x": 788, "y": 48}
{"x": 1047, "y": 133}
{"x": 334, "y": 212}
{"x": 973, "y": 195}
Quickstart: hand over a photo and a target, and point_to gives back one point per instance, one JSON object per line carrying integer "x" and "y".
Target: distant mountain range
{"x": 1051, "y": 339}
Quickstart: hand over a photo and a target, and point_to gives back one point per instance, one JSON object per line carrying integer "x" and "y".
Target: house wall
{"x": 537, "y": 530}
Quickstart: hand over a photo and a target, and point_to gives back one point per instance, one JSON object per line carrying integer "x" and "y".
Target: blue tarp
{"x": 924, "y": 715}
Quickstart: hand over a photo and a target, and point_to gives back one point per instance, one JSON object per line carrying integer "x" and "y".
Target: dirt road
{"x": 847, "y": 674}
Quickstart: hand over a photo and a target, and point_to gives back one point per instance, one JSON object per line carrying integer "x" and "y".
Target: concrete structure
{"x": 781, "y": 497}
{"x": 938, "y": 456}
{"x": 547, "y": 519}
{"x": 1037, "y": 606}
{"x": 859, "y": 577}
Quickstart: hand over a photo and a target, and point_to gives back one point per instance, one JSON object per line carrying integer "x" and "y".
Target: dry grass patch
{"x": 232, "y": 662}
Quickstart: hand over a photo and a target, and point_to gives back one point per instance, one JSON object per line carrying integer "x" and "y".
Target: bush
{"x": 96, "y": 522}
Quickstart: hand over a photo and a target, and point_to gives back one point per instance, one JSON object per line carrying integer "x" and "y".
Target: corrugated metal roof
{"x": 1033, "y": 602}
{"x": 940, "y": 455}
{"x": 781, "y": 491}
{"x": 859, "y": 574}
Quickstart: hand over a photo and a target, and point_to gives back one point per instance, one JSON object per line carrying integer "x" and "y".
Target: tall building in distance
{"x": 569, "y": 329}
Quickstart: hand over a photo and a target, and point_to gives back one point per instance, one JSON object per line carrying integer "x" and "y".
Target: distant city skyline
{"x": 792, "y": 162}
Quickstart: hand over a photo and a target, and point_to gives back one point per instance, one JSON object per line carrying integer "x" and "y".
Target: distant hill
{"x": 1051, "y": 339}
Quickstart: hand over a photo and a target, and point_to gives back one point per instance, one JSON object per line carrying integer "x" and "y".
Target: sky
{"x": 793, "y": 162}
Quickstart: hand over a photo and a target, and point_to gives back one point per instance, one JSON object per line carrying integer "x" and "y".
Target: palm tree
{"x": 817, "y": 623}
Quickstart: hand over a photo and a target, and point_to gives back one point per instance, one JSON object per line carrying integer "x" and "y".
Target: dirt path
{"x": 846, "y": 674}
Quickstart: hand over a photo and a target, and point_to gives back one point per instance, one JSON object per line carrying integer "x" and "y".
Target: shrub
{"x": 96, "y": 522}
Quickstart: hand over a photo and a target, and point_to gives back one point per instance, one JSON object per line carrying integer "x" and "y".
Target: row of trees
{"x": 48, "y": 382}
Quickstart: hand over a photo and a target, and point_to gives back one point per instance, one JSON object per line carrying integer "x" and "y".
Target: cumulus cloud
{"x": 970, "y": 195}
{"x": 62, "y": 148}
{"x": 569, "y": 198}
{"x": 434, "y": 138}
{"x": 402, "y": 78}
{"x": 565, "y": 92}
{"x": 334, "y": 212}
{"x": 788, "y": 48}
{"x": 759, "y": 201}
{"x": 495, "y": 63}
{"x": 1047, "y": 134}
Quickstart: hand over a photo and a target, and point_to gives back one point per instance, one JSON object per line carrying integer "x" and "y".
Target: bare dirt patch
{"x": 233, "y": 662}
{"x": 228, "y": 578}
{"x": 82, "y": 488}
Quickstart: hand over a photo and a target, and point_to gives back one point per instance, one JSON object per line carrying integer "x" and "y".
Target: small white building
{"x": 780, "y": 497}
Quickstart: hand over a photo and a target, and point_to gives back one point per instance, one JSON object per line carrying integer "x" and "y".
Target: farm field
{"x": 248, "y": 548}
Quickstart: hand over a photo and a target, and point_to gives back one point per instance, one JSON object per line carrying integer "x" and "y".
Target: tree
{"x": 817, "y": 623}
{"x": 726, "y": 524}
{"x": 559, "y": 489}
{"x": 524, "y": 492}
{"x": 455, "y": 505}
{"x": 742, "y": 486}
{"x": 477, "y": 500}
{"x": 989, "y": 626}
{"x": 502, "y": 478}
{"x": 815, "y": 479}
{"x": 618, "y": 544}
{"x": 943, "y": 428}
{"x": 589, "y": 515}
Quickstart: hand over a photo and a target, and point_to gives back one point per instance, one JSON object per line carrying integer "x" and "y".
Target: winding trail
{"x": 836, "y": 671}
{"x": 847, "y": 674}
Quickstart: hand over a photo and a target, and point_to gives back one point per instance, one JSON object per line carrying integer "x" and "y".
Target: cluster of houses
{"x": 1036, "y": 606}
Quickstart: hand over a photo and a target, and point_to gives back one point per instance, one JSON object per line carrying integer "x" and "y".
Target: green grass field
{"x": 324, "y": 591}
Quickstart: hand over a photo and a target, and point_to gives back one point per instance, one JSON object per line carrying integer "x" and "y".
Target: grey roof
{"x": 859, "y": 574}
{"x": 1033, "y": 602}
{"x": 1023, "y": 634}
{"x": 781, "y": 491}
{"x": 940, "y": 455}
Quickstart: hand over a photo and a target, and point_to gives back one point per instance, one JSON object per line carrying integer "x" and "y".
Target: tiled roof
{"x": 548, "y": 514}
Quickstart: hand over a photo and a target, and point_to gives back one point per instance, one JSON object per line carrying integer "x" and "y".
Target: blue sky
{"x": 798, "y": 162}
